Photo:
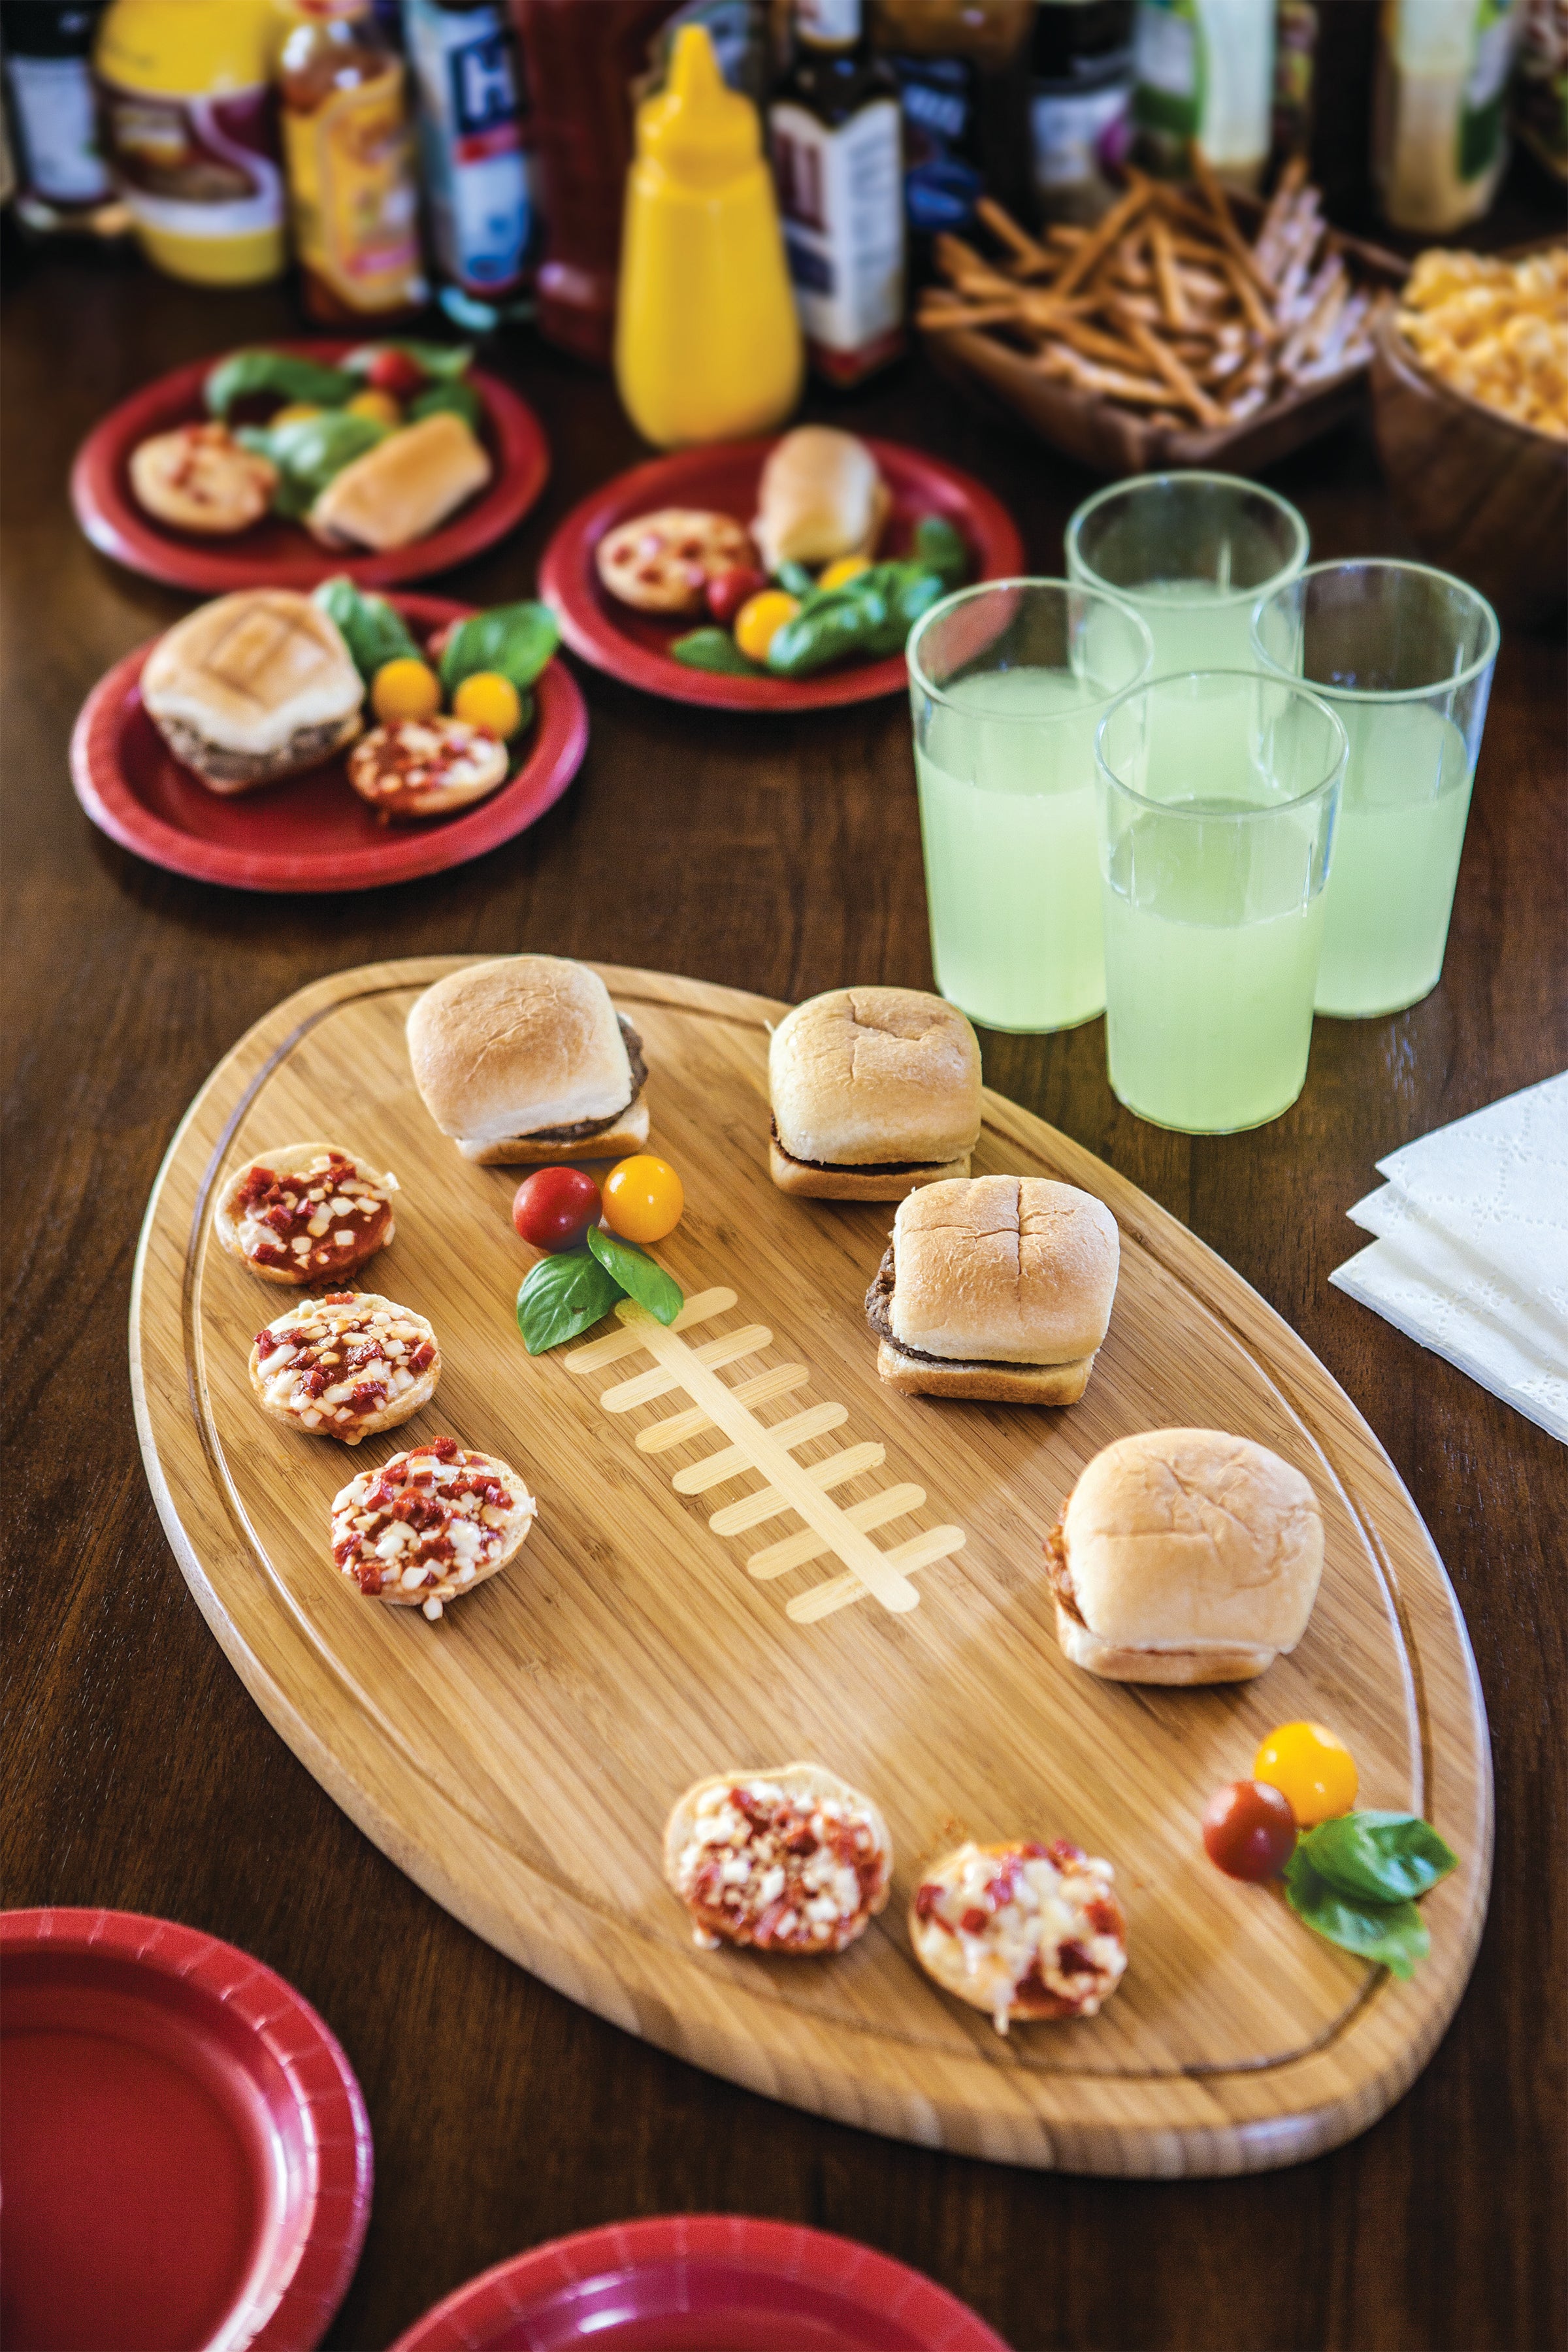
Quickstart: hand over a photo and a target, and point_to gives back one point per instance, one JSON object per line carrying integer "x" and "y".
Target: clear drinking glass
{"x": 1191, "y": 552}
{"x": 1403, "y": 655}
{"x": 1218, "y": 792}
{"x": 1008, "y": 682}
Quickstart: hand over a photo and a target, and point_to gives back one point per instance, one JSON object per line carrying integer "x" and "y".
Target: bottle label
{"x": 842, "y": 202}
{"x": 943, "y": 179}
{"x": 470, "y": 141}
{"x": 55, "y": 116}
{"x": 1482, "y": 114}
{"x": 196, "y": 166}
{"x": 355, "y": 206}
{"x": 1168, "y": 67}
{"x": 1074, "y": 133}
{"x": 830, "y": 23}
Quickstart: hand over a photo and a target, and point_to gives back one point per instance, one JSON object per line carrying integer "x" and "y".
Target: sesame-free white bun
{"x": 502, "y": 1050}
{"x": 1186, "y": 1555}
{"x": 821, "y": 496}
{"x": 252, "y": 687}
{"x": 1009, "y": 1269}
{"x": 862, "y": 1077}
{"x": 403, "y": 487}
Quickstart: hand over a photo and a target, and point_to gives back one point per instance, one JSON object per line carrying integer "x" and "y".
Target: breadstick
{"x": 1100, "y": 241}
{"x": 1172, "y": 301}
{"x": 1030, "y": 256}
{"x": 1163, "y": 360}
{"x": 1235, "y": 244}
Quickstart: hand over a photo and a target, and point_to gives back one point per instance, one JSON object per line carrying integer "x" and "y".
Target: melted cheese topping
{"x": 414, "y": 756}
{"x": 425, "y": 1526}
{"x": 1023, "y": 1929}
{"x": 785, "y": 1874}
{"x": 334, "y": 1363}
{"x": 323, "y": 1219}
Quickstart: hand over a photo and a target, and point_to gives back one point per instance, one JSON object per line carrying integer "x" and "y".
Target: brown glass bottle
{"x": 348, "y": 146}
{"x": 836, "y": 136}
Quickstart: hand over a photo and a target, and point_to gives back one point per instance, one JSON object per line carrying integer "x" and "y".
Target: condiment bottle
{"x": 349, "y": 148}
{"x": 1081, "y": 68}
{"x": 708, "y": 346}
{"x": 1203, "y": 69}
{"x": 477, "y": 198}
{"x": 838, "y": 158}
{"x": 1439, "y": 140}
{"x": 962, "y": 69}
{"x": 580, "y": 59}
{"x": 64, "y": 180}
{"x": 190, "y": 128}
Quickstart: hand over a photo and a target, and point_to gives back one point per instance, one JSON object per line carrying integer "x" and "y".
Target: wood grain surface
{"x": 521, "y": 1762}
{"x": 138, "y": 1770}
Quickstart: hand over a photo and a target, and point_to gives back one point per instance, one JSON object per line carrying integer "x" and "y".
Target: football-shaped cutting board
{"x": 749, "y": 1550}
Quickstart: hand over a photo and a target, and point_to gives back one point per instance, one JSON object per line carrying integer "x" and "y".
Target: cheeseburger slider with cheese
{"x": 526, "y": 1059}
{"x": 875, "y": 1091}
{"x": 999, "y": 1288}
{"x": 1184, "y": 1556}
{"x": 252, "y": 687}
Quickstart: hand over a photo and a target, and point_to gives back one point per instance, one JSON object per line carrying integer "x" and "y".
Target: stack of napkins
{"x": 1472, "y": 1254}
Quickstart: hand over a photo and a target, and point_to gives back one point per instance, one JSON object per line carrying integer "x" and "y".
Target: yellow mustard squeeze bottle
{"x": 707, "y": 344}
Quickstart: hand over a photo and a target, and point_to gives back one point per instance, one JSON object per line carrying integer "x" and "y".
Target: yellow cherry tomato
{"x": 293, "y": 412}
{"x": 1311, "y": 1767}
{"x": 760, "y": 618}
{"x": 378, "y": 406}
{"x": 405, "y": 688}
{"x": 489, "y": 700}
{"x": 644, "y": 1198}
{"x": 848, "y": 567}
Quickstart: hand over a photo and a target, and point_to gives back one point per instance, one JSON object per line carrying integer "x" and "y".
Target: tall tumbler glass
{"x": 1191, "y": 552}
{"x": 1008, "y": 682}
{"x": 1404, "y": 655}
{"x": 1218, "y": 793}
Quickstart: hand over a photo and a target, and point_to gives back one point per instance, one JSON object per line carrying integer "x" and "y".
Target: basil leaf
{"x": 438, "y": 360}
{"x": 515, "y": 639}
{"x": 246, "y": 375}
{"x": 1393, "y": 1934}
{"x": 371, "y": 631}
{"x": 563, "y": 1296}
{"x": 638, "y": 1275}
{"x": 1379, "y": 1857}
{"x": 714, "y": 649}
{"x": 796, "y": 581}
{"x": 939, "y": 547}
{"x": 452, "y": 393}
{"x": 309, "y": 450}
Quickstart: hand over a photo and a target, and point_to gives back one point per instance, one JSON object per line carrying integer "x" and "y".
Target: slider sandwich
{"x": 526, "y": 1059}
{"x": 999, "y": 1288}
{"x": 252, "y": 687}
{"x": 875, "y": 1091}
{"x": 399, "y": 491}
{"x": 1184, "y": 1556}
{"x": 821, "y": 496}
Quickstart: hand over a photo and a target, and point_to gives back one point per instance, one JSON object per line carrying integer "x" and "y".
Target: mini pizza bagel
{"x": 662, "y": 562}
{"x": 790, "y": 1861}
{"x": 1021, "y": 1930}
{"x": 425, "y": 767}
{"x": 344, "y": 1366}
{"x": 430, "y": 1525}
{"x": 305, "y": 1212}
{"x": 198, "y": 479}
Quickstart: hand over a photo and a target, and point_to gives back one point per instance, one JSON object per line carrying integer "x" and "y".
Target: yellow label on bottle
{"x": 356, "y": 210}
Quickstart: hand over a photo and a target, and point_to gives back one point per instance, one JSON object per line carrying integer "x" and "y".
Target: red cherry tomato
{"x": 1249, "y": 1831}
{"x": 554, "y": 1207}
{"x": 395, "y": 372}
{"x": 727, "y": 591}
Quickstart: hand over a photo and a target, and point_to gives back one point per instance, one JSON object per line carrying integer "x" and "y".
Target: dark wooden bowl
{"x": 1481, "y": 495}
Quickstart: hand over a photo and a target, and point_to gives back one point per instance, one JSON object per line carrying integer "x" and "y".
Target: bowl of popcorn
{"x": 1471, "y": 409}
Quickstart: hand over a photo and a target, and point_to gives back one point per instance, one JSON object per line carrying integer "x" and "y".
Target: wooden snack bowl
{"x": 1482, "y": 494}
{"x": 742, "y": 1559}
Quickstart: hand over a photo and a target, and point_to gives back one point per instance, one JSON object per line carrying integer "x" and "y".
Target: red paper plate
{"x": 274, "y": 554}
{"x": 701, "y": 2282}
{"x": 634, "y": 645}
{"x": 185, "y": 2155}
{"x": 311, "y": 831}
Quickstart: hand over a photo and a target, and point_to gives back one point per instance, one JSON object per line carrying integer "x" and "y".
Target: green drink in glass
{"x": 1192, "y": 554}
{"x": 1404, "y": 656}
{"x": 1008, "y": 683}
{"x": 1217, "y": 796}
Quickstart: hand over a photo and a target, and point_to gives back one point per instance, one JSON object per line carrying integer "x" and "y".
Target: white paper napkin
{"x": 1472, "y": 1254}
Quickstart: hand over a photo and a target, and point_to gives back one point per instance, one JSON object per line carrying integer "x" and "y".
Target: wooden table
{"x": 784, "y": 857}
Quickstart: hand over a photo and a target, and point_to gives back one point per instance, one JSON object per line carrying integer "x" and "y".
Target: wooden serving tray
{"x": 519, "y": 1759}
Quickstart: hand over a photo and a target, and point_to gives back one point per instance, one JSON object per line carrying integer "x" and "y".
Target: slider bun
{"x": 985, "y": 1383}
{"x": 875, "y": 1075}
{"x": 502, "y": 1049}
{"x": 808, "y": 1183}
{"x": 629, "y": 1134}
{"x": 403, "y": 487}
{"x": 252, "y": 687}
{"x": 1018, "y": 1270}
{"x": 820, "y": 497}
{"x": 1194, "y": 1556}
